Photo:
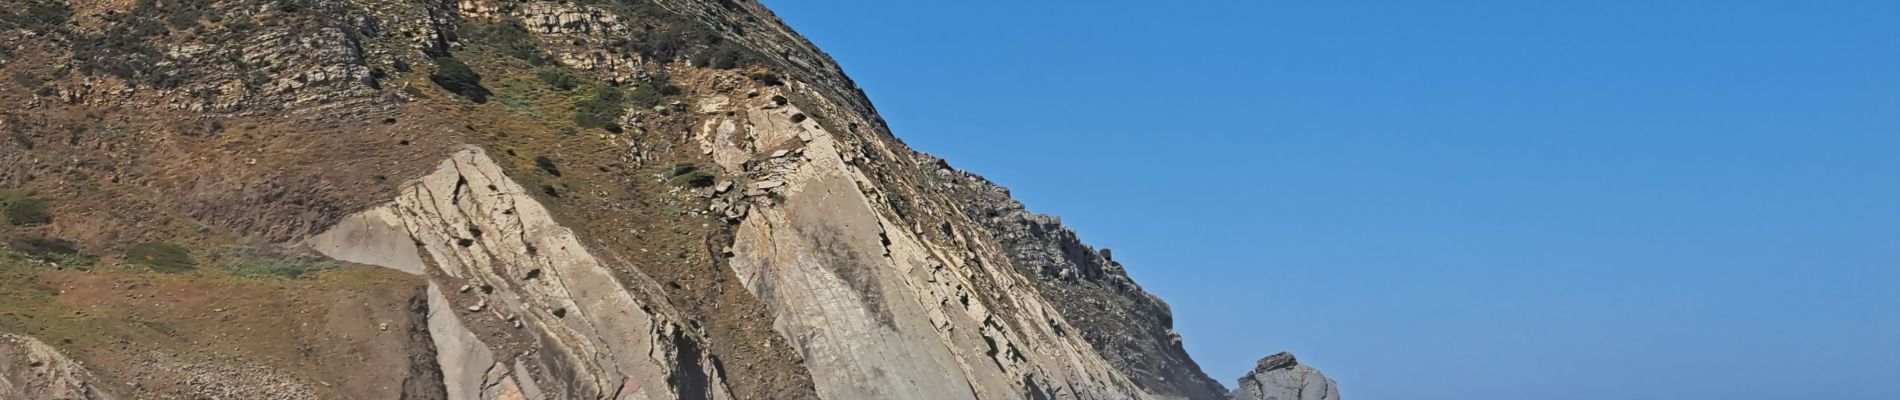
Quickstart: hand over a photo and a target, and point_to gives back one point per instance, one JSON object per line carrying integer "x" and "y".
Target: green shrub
{"x": 767, "y": 78}
{"x": 558, "y": 79}
{"x": 455, "y": 76}
{"x": 28, "y": 80}
{"x": 292, "y": 268}
{"x": 547, "y": 165}
{"x": 161, "y": 257}
{"x": 603, "y": 110}
{"x": 649, "y": 95}
{"x": 52, "y": 250}
{"x": 725, "y": 54}
{"x": 21, "y": 209}
{"x": 39, "y": 15}
{"x": 664, "y": 36}
{"x": 692, "y": 175}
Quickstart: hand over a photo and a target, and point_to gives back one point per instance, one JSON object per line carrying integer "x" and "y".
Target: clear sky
{"x": 1445, "y": 199}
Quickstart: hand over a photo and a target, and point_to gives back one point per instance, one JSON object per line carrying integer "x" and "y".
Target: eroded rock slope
{"x": 627, "y": 199}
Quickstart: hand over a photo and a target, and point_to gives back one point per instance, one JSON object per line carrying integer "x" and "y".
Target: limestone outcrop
{"x": 1282, "y": 377}
{"x": 568, "y": 326}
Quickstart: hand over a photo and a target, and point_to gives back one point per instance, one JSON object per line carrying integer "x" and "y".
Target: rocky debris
{"x": 223, "y": 380}
{"x": 1282, "y": 377}
{"x": 32, "y": 370}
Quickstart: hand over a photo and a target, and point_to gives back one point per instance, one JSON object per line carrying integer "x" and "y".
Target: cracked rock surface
{"x": 1282, "y": 377}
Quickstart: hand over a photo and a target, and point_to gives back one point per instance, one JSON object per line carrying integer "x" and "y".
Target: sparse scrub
{"x": 28, "y": 80}
{"x": 44, "y": 249}
{"x": 692, "y": 175}
{"x": 509, "y": 36}
{"x": 38, "y": 15}
{"x": 647, "y": 95}
{"x": 725, "y": 54}
{"x": 455, "y": 76}
{"x": 558, "y": 79}
{"x": 290, "y": 268}
{"x": 547, "y": 165}
{"x": 602, "y": 111}
{"x": 767, "y": 78}
{"x": 666, "y": 36}
{"x": 161, "y": 257}
{"x": 23, "y": 210}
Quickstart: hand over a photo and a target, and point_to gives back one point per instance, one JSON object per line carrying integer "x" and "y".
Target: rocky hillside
{"x": 499, "y": 199}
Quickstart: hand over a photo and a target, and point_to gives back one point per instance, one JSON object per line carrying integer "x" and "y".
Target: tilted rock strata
{"x": 513, "y": 266}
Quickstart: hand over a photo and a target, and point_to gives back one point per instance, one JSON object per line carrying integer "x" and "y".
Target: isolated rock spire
{"x": 1282, "y": 377}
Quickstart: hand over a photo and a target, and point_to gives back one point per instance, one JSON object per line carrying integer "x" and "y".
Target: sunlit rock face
{"x": 1281, "y": 377}
{"x": 504, "y": 199}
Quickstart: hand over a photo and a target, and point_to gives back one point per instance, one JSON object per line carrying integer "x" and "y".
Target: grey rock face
{"x": 1282, "y": 377}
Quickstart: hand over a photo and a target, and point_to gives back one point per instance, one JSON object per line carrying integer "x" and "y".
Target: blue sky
{"x": 1446, "y": 200}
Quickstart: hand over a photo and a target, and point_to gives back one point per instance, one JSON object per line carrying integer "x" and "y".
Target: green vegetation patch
{"x": 557, "y": 78}
{"x": 509, "y": 36}
{"x": 38, "y": 15}
{"x": 161, "y": 257}
{"x": 692, "y": 175}
{"x": 290, "y": 268}
{"x": 603, "y": 110}
{"x": 455, "y": 76}
{"x": 51, "y": 250}
{"x": 547, "y": 165}
{"x": 19, "y": 208}
{"x": 664, "y": 36}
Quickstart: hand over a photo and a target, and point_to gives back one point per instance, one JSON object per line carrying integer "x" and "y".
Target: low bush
{"x": 692, "y": 175}
{"x": 455, "y": 76}
{"x": 28, "y": 80}
{"x": 21, "y": 209}
{"x": 509, "y": 36}
{"x": 44, "y": 249}
{"x": 767, "y": 78}
{"x": 647, "y": 95}
{"x": 558, "y": 79}
{"x": 38, "y": 15}
{"x": 291, "y": 268}
{"x": 161, "y": 257}
{"x": 603, "y": 110}
{"x": 547, "y": 165}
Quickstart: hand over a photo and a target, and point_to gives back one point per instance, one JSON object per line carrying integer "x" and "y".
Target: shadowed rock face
{"x": 1281, "y": 377}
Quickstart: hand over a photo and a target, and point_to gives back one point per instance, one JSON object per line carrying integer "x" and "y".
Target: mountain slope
{"x": 505, "y": 199}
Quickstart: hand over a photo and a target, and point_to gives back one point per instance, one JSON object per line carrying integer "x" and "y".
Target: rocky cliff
{"x": 1282, "y": 377}
{"x": 498, "y": 199}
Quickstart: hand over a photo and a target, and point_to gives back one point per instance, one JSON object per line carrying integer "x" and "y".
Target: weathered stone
{"x": 1281, "y": 377}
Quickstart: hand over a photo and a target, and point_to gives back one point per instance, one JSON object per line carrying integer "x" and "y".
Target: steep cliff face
{"x": 497, "y": 199}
